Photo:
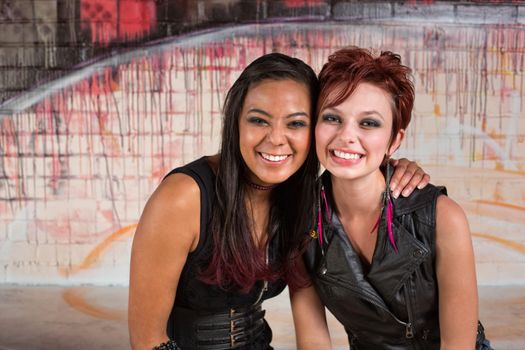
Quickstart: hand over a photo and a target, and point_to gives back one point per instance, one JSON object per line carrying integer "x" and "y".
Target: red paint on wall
{"x": 99, "y": 16}
{"x": 108, "y": 20}
{"x": 421, "y": 2}
{"x": 301, "y": 3}
{"x": 47, "y": 111}
{"x": 137, "y": 17}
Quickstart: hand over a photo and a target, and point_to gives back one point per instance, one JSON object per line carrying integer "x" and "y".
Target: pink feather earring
{"x": 387, "y": 203}
{"x": 319, "y": 234}
{"x": 322, "y": 198}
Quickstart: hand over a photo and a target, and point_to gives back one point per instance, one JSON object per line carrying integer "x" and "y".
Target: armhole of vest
{"x": 205, "y": 186}
{"x": 439, "y": 191}
{"x": 442, "y": 190}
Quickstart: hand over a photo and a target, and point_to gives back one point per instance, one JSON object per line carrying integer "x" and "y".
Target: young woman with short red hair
{"x": 398, "y": 273}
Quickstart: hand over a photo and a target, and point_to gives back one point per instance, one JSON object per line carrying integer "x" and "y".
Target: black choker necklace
{"x": 261, "y": 187}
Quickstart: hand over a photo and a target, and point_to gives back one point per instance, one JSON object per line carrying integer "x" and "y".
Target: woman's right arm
{"x": 167, "y": 232}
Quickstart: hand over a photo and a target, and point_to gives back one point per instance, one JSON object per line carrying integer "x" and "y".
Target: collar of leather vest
{"x": 389, "y": 269}
{"x": 417, "y": 200}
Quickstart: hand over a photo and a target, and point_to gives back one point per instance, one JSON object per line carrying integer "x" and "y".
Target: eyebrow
{"x": 373, "y": 111}
{"x": 291, "y": 115}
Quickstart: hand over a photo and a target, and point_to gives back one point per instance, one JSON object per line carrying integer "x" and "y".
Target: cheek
{"x": 248, "y": 137}
{"x": 379, "y": 143}
{"x": 322, "y": 135}
{"x": 246, "y": 145}
{"x": 306, "y": 139}
{"x": 301, "y": 143}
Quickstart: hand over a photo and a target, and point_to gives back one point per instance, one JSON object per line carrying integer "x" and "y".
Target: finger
{"x": 425, "y": 181}
{"x": 404, "y": 183}
{"x": 399, "y": 170}
{"x": 413, "y": 183}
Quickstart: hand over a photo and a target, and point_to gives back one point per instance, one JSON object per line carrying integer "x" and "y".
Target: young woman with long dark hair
{"x": 225, "y": 232}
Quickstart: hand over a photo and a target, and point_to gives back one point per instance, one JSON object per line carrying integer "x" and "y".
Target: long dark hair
{"x": 236, "y": 260}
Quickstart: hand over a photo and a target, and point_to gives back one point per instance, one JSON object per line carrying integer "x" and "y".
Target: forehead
{"x": 271, "y": 92}
{"x": 365, "y": 96}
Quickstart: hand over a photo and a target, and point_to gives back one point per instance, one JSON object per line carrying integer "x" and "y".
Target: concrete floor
{"x": 95, "y": 318}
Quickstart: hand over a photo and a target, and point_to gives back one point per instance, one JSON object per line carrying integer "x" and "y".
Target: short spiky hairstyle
{"x": 347, "y": 68}
{"x": 236, "y": 260}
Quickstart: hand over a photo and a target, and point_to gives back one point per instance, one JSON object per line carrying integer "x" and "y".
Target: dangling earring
{"x": 319, "y": 234}
{"x": 387, "y": 203}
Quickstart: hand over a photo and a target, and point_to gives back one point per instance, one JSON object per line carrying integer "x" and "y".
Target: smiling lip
{"x": 345, "y": 158}
{"x": 274, "y": 158}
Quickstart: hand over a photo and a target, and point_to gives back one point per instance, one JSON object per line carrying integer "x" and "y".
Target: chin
{"x": 276, "y": 180}
{"x": 344, "y": 173}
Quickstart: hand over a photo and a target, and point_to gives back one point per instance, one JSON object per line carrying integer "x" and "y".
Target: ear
{"x": 396, "y": 142}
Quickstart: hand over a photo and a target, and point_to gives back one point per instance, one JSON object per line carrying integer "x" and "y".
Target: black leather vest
{"x": 394, "y": 305}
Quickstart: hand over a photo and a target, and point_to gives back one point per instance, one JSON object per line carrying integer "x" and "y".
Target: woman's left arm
{"x": 309, "y": 317}
{"x": 456, "y": 277}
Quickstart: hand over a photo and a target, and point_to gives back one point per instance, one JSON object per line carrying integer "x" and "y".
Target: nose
{"x": 277, "y": 135}
{"x": 348, "y": 133}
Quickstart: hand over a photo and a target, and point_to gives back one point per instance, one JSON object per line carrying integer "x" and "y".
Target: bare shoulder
{"x": 451, "y": 223}
{"x": 172, "y": 214}
{"x": 177, "y": 191}
{"x": 449, "y": 209}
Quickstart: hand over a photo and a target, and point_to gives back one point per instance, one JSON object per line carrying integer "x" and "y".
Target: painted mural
{"x": 141, "y": 91}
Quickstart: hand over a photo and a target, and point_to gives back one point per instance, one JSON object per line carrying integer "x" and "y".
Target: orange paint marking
{"x": 495, "y": 209}
{"x": 76, "y": 299}
{"x": 520, "y": 248}
{"x": 501, "y": 204}
{"x": 437, "y": 110}
{"x": 463, "y": 169}
{"x": 97, "y": 251}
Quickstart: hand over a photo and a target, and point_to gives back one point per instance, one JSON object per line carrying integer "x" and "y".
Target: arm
{"x": 456, "y": 276}
{"x": 311, "y": 329}
{"x": 407, "y": 176}
{"x": 167, "y": 231}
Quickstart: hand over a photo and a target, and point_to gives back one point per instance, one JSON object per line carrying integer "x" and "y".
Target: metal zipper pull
{"x": 409, "y": 334}
{"x": 265, "y": 284}
{"x": 267, "y": 261}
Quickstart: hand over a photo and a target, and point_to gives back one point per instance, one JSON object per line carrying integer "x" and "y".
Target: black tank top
{"x": 194, "y": 294}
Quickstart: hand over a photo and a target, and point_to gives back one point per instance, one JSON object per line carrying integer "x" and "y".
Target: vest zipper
{"x": 408, "y": 325}
{"x": 409, "y": 334}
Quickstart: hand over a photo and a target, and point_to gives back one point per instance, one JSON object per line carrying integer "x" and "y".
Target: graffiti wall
{"x": 100, "y": 99}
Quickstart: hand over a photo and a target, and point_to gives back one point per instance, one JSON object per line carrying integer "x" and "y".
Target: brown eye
{"x": 257, "y": 121}
{"x": 297, "y": 124}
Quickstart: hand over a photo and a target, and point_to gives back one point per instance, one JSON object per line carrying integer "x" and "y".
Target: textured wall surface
{"x": 102, "y": 98}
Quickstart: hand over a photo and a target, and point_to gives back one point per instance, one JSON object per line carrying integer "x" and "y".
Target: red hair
{"x": 347, "y": 68}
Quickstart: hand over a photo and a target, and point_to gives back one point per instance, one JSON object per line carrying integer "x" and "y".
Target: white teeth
{"x": 345, "y": 155}
{"x": 273, "y": 158}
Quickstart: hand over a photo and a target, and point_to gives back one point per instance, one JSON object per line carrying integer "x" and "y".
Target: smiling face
{"x": 274, "y": 130}
{"x": 353, "y": 137}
